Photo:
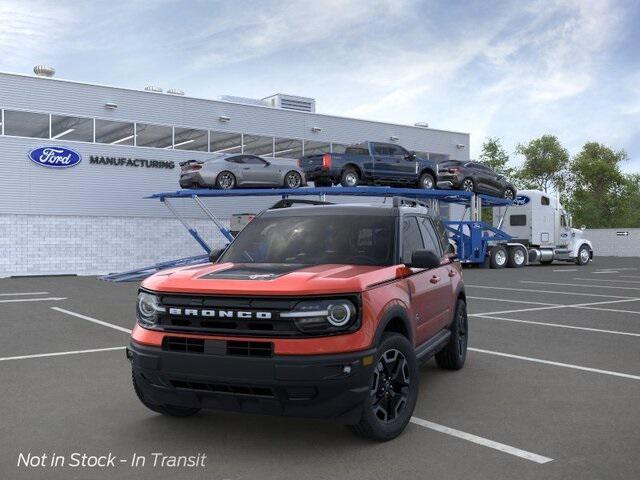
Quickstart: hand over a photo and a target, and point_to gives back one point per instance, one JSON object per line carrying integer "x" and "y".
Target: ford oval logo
{"x": 521, "y": 200}
{"x": 55, "y": 157}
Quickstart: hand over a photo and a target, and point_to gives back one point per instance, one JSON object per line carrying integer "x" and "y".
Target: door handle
{"x": 435, "y": 279}
{"x": 452, "y": 273}
{"x": 247, "y": 168}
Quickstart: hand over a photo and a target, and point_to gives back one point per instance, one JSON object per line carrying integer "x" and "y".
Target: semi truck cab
{"x": 538, "y": 221}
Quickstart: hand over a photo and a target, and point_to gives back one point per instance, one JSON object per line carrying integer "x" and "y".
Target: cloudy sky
{"x": 515, "y": 70}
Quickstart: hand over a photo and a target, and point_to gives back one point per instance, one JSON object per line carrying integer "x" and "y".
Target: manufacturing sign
{"x": 55, "y": 157}
{"x": 130, "y": 162}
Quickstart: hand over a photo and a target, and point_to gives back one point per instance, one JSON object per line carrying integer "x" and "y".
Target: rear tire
{"x": 468, "y": 185}
{"x": 349, "y": 177}
{"x": 453, "y": 356}
{"x": 170, "y": 410}
{"x": 498, "y": 257}
{"x": 225, "y": 180}
{"x": 517, "y": 257}
{"x": 393, "y": 390}
{"x": 426, "y": 182}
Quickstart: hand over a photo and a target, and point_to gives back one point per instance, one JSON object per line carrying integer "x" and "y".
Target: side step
{"x": 432, "y": 346}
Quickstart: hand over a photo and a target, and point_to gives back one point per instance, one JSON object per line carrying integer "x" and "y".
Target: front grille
{"x": 250, "y": 349}
{"x": 183, "y": 344}
{"x": 248, "y": 390}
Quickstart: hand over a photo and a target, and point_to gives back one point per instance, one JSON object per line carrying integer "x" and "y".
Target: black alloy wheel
{"x": 509, "y": 194}
{"x": 225, "y": 180}
{"x": 390, "y": 386}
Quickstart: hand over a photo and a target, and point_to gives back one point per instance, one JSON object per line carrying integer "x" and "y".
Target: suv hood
{"x": 269, "y": 279}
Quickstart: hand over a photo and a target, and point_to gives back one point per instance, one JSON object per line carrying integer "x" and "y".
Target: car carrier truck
{"x": 541, "y": 232}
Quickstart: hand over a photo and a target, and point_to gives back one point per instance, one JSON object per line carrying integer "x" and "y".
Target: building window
{"x": 287, "y": 148}
{"x": 338, "y": 148}
{"x": 222, "y": 142}
{"x": 316, "y": 148}
{"x": 156, "y": 136}
{"x": 190, "y": 139}
{"x": 114, "y": 133}
{"x": 26, "y": 124}
{"x": 258, "y": 145}
{"x": 72, "y": 128}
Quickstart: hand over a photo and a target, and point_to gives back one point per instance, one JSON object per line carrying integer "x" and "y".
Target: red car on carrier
{"x": 320, "y": 311}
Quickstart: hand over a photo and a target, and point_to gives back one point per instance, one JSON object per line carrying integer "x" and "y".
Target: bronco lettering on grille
{"x": 239, "y": 314}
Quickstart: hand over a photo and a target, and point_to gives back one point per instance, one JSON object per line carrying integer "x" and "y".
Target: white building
{"x": 92, "y": 218}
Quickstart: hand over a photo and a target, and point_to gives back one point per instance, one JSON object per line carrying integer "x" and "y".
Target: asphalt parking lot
{"x": 551, "y": 389}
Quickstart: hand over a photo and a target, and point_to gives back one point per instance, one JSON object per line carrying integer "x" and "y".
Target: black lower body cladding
{"x": 321, "y": 386}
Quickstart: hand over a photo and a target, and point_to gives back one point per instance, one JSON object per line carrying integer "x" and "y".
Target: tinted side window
{"x": 441, "y": 230}
{"x": 518, "y": 220}
{"x": 411, "y": 238}
{"x": 381, "y": 149}
{"x": 544, "y": 201}
{"x": 238, "y": 159}
{"x": 251, "y": 160}
{"x": 431, "y": 241}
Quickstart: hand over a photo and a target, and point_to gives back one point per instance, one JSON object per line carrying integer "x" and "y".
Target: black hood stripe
{"x": 254, "y": 271}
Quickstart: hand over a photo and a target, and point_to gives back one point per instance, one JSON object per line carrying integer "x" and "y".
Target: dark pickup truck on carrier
{"x": 371, "y": 163}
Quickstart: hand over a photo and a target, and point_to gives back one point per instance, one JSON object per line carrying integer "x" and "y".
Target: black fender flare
{"x": 396, "y": 311}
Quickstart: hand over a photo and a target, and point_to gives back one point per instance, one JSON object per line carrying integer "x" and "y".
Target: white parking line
{"x": 46, "y": 299}
{"x": 580, "y": 285}
{"x": 555, "y": 364}
{"x": 606, "y": 280}
{"x": 58, "y": 354}
{"x": 556, "y": 292}
{"x": 511, "y": 301}
{"x": 93, "y": 320}
{"x": 575, "y": 305}
{"x": 558, "y": 325}
{"x": 469, "y": 437}
{"x": 566, "y": 270}
{"x": 23, "y": 293}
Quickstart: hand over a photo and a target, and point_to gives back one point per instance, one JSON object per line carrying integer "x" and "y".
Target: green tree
{"x": 545, "y": 164}
{"x": 494, "y": 156}
{"x": 600, "y": 194}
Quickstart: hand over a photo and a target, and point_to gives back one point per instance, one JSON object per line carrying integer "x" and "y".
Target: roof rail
{"x": 408, "y": 202}
{"x": 290, "y": 202}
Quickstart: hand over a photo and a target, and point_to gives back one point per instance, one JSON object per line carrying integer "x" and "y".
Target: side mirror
{"x": 267, "y": 163}
{"x": 214, "y": 255}
{"x": 451, "y": 252}
{"x": 410, "y": 156}
{"x": 424, "y": 259}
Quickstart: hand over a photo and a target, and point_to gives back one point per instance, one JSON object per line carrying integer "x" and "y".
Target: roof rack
{"x": 290, "y": 202}
{"x": 409, "y": 202}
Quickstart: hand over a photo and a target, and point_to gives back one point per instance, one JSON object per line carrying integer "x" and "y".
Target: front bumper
{"x": 322, "y": 386}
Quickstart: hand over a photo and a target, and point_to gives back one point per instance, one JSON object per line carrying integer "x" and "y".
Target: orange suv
{"x": 322, "y": 311}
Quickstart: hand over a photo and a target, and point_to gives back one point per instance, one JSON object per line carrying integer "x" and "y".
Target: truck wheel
{"x": 517, "y": 257}
{"x": 171, "y": 410}
{"x": 584, "y": 255}
{"x": 453, "y": 355}
{"x": 225, "y": 180}
{"x": 498, "y": 257}
{"x": 349, "y": 177}
{"x": 426, "y": 181}
{"x": 393, "y": 390}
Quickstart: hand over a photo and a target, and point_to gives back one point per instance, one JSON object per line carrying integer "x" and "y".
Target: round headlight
{"x": 339, "y": 314}
{"x": 148, "y": 308}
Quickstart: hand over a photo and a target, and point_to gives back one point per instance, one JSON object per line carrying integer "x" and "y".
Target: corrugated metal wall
{"x": 614, "y": 242}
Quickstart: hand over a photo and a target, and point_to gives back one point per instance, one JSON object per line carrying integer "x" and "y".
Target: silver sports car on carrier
{"x": 241, "y": 170}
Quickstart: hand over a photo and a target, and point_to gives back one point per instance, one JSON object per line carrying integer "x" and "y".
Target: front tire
{"x": 349, "y": 177}
{"x": 426, "y": 182}
{"x": 225, "y": 180}
{"x": 292, "y": 179}
{"x": 584, "y": 255}
{"x": 393, "y": 390}
{"x": 170, "y": 410}
{"x": 454, "y": 354}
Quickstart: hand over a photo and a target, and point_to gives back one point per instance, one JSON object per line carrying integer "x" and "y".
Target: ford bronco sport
{"x": 322, "y": 311}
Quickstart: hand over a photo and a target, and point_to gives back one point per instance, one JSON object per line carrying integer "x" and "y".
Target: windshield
{"x": 322, "y": 239}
